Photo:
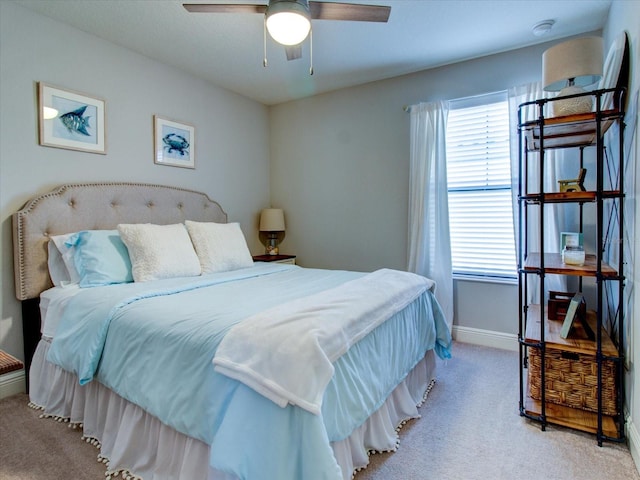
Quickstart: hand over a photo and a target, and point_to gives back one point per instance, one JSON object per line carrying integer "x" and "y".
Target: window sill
{"x": 486, "y": 279}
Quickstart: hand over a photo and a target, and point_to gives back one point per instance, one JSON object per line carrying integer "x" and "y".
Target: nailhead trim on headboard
{"x": 91, "y": 206}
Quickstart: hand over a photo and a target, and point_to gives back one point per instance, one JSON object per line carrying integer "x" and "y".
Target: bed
{"x": 215, "y": 368}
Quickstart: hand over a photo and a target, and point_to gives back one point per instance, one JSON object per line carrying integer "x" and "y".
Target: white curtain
{"x": 429, "y": 240}
{"x": 553, "y": 214}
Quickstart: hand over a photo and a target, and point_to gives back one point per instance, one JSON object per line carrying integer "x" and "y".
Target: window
{"x": 479, "y": 185}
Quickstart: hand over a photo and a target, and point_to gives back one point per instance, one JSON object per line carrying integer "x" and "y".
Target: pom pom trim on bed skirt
{"x": 135, "y": 445}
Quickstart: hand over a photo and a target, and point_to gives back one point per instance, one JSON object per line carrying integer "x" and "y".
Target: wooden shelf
{"x": 580, "y": 379}
{"x": 567, "y": 131}
{"x": 569, "y": 197}
{"x": 553, "y": 264}
{"x": 577, "y": 341}
{"x": 571, "y": 417}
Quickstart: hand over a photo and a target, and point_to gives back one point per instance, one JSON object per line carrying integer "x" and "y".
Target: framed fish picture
{"x": 71, "y": 120}
{"x": 174, "y": 143}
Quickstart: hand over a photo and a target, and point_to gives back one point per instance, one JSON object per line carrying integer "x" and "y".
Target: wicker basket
{"x": 572, "y": 380}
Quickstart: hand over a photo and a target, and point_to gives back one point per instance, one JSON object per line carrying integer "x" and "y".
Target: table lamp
{"x": 567, "y": 68}
{"x": 272, "y": 223}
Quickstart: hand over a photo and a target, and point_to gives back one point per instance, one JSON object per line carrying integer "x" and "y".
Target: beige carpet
{"x": 470, "y": 430}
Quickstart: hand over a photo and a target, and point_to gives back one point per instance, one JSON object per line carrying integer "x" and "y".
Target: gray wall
{"x": 232, "y": 153}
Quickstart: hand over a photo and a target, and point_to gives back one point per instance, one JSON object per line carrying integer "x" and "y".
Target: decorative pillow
{"x": 220, "y": 246}
{"x": 101, "y": 258}
{"x": 66, "y": 252}
{"x": 159, "y": 251}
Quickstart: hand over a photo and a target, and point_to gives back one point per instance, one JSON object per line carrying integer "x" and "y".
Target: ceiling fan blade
{"x": 293, "y": 51}
{"x": 349, "y": 11}
{"x": 319, "y": 10}
{"x": 224, "y": 8}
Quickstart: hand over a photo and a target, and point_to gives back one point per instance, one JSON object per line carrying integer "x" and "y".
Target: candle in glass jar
{"x": 573, "y": 255}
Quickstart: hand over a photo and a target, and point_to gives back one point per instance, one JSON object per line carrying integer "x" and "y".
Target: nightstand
{"x": 290, "y": 259}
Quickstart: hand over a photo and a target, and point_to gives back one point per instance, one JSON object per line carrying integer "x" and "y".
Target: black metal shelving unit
{"x": 537, "y": 334}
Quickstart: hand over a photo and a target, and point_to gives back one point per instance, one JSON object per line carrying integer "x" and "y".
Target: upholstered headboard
{"x": 95, "y": 206}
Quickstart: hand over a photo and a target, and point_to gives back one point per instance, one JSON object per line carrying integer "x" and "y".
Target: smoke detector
{"x": 543, "y": 27}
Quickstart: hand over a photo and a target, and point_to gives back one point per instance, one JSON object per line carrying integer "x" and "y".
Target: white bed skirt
{"x": 136, "y": 444}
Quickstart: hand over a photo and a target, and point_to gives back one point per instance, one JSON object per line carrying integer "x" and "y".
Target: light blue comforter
{"x": 153, "y": 343}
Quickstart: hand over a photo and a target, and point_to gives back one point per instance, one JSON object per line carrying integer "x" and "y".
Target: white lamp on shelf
{"x": 569, "y": 67}
{"x": 272, "y": 222}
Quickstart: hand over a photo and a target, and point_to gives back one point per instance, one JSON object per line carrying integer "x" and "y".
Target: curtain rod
{"x": 471, "y": 98}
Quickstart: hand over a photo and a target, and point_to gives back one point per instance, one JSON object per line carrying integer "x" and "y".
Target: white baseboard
{"x": 12, "y": 383}
{"x": 486, "y": 338}
{"x": 633, "y": 438}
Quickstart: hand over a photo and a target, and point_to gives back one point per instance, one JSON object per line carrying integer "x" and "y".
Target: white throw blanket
{"x": 286, "y": 353}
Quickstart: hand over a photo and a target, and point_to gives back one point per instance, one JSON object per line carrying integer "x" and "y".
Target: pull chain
{"x": 264, "y": 42}
{"x": 311, "y": 51}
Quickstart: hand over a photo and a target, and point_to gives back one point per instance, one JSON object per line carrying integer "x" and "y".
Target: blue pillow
{"x": 101, "y": 258}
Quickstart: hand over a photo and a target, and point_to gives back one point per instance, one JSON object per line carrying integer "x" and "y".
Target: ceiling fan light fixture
{"x": 288, "y": 22}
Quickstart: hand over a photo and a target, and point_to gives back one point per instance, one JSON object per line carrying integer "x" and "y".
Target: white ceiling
{"x": 227, "y": 49}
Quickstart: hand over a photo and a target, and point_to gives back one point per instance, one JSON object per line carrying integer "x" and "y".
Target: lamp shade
{"x": 272, "y": 220}
{"x": 288, "y": 21}
{"x": 579, "y": 59}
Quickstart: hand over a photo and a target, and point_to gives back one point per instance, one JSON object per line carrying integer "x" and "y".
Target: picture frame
{"x": 174, "y": 143}
{"x": 558, "y": 304}
{"x": 615, "y": 71}
{"x": 574, "y": 239}
{"x": 571, "y": 315}
{"x": 71, "y": 120}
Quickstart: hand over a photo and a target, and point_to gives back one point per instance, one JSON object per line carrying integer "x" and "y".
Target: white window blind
{"x": 479, "y": 185}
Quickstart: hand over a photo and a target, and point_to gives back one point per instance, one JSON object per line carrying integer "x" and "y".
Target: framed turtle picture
{"x": 71, "y": 120}
{"x": 174, "y": 143}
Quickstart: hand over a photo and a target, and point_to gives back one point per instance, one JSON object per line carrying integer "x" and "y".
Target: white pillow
{"x": 159, "y": 251}
{"x": 57, "y": 269}
{"x": 220, "y": 246}
{"x": 64, "y": 254}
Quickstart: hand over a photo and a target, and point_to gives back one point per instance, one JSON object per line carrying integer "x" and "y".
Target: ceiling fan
{"x": 289, "y": 21}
